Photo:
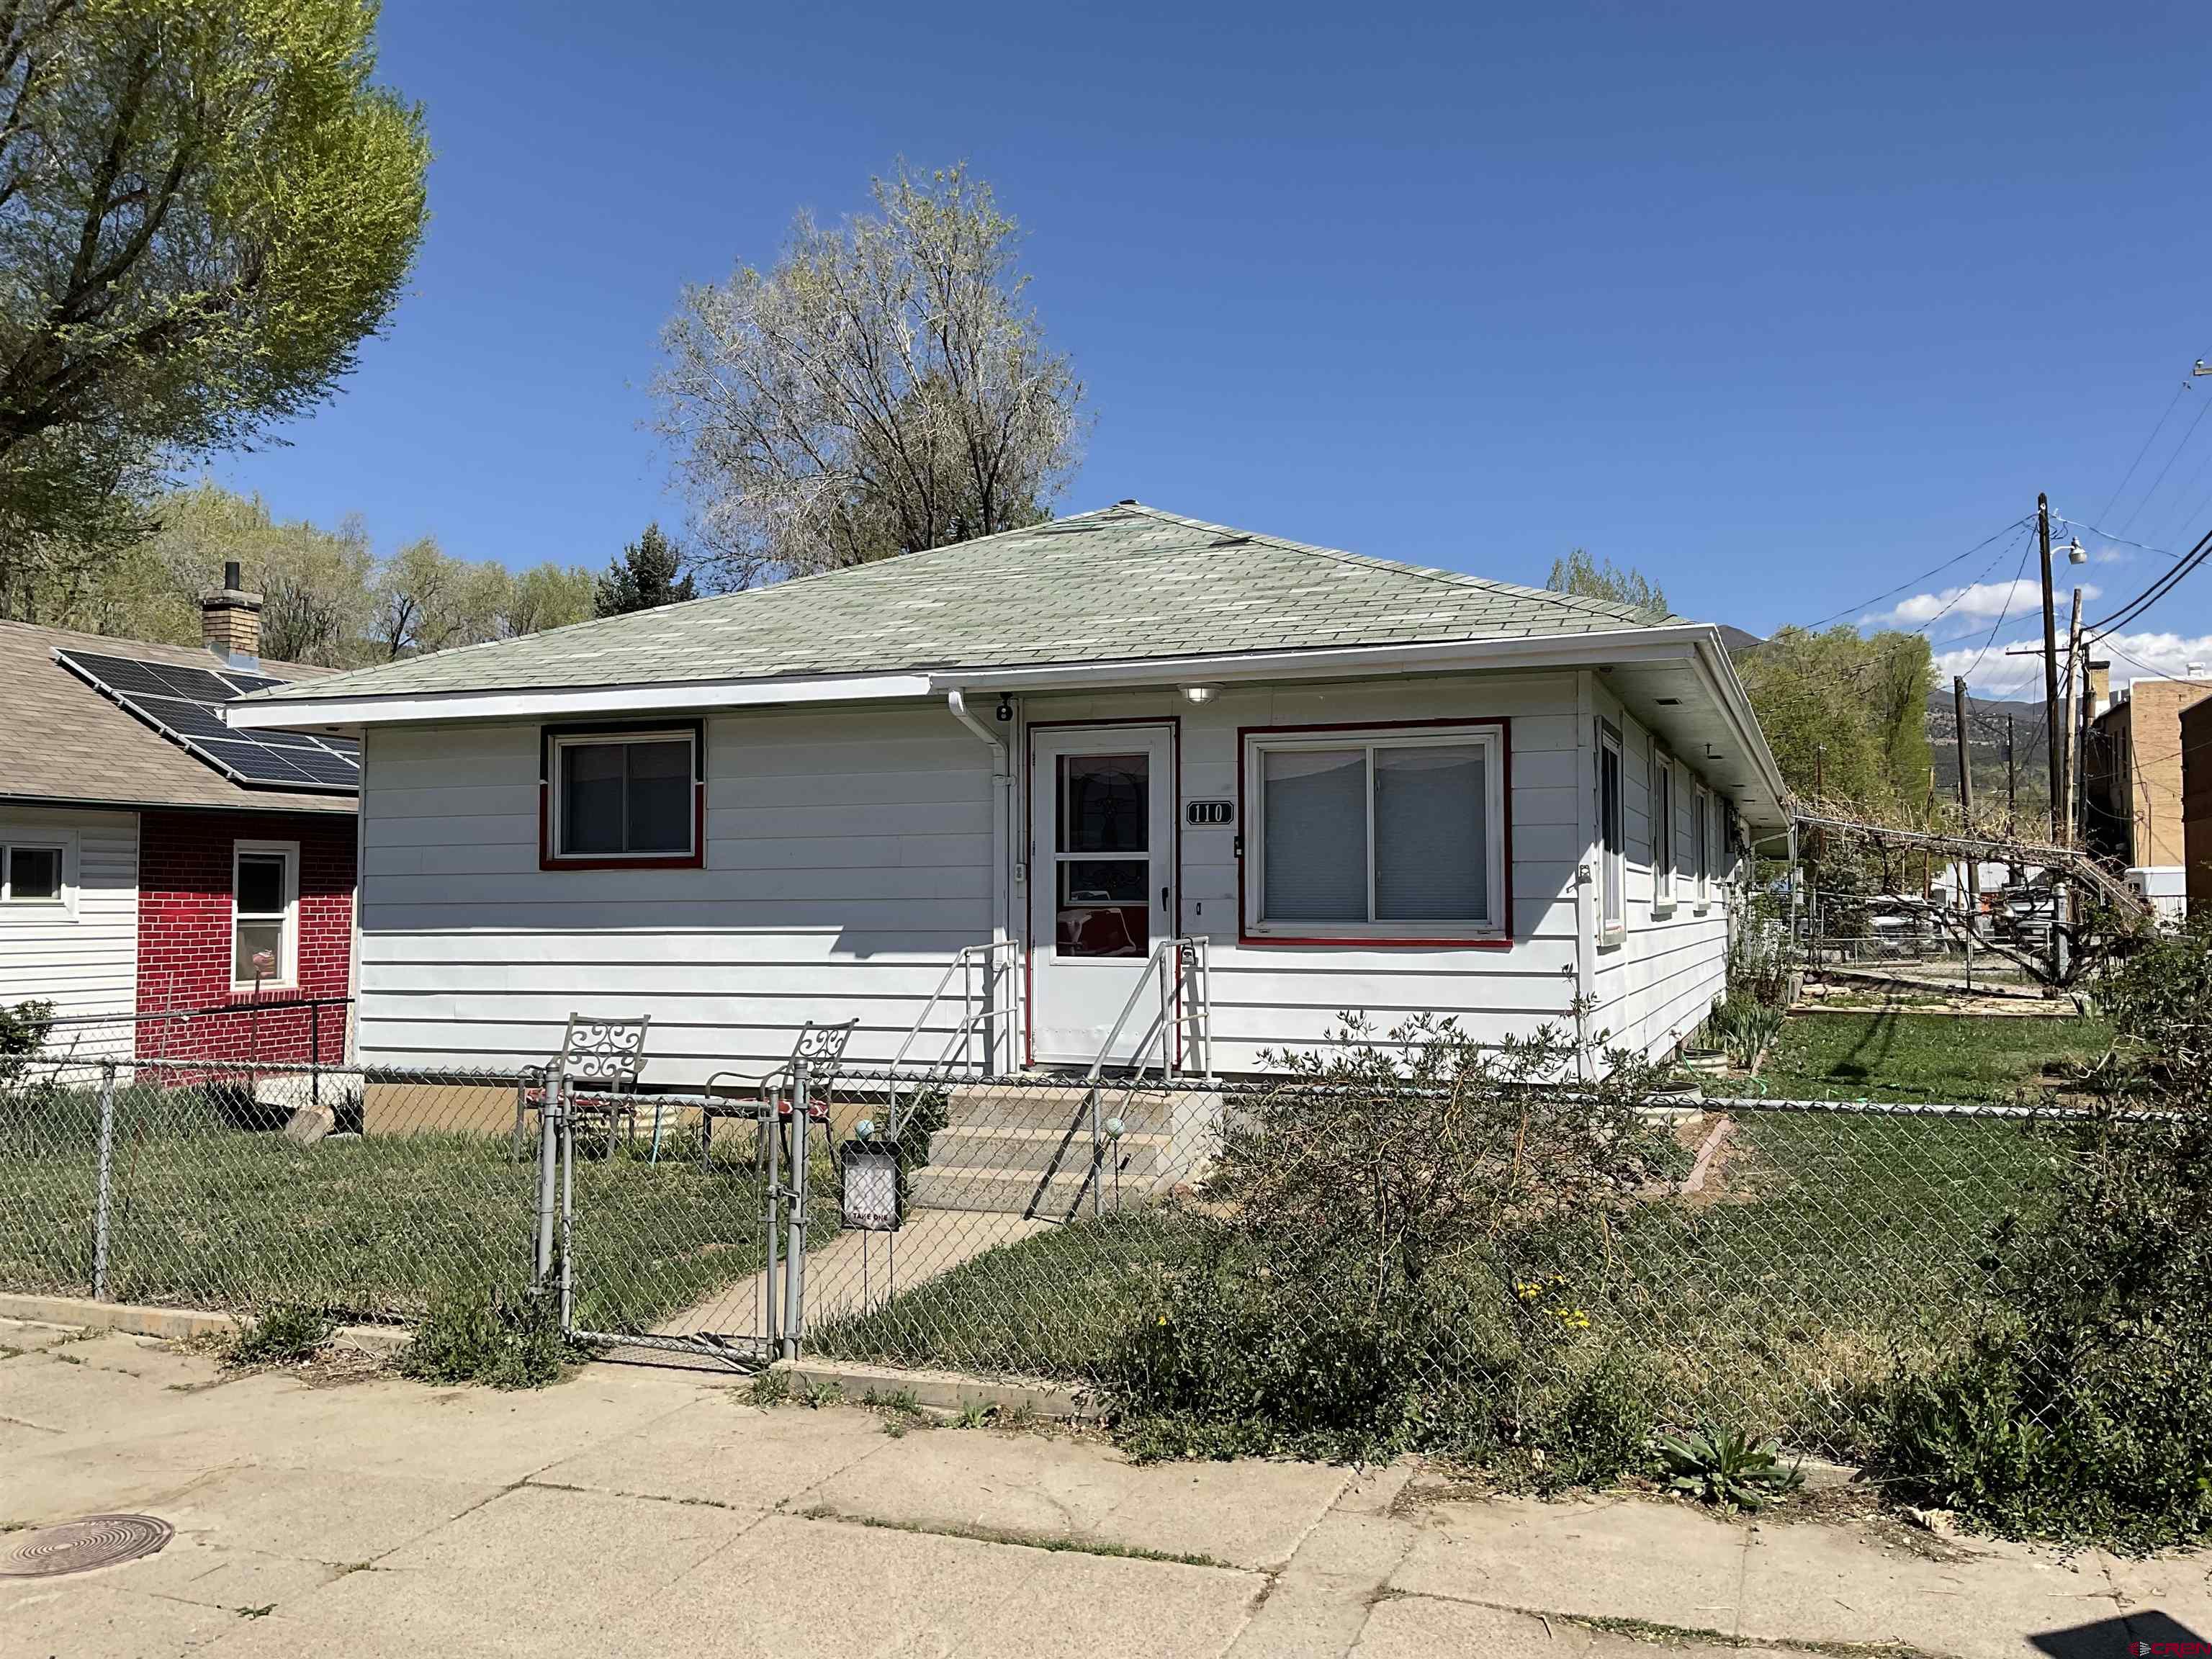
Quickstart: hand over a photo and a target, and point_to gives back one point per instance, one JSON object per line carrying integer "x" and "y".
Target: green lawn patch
{"x": 206, "y": 1215}
{"x": 1888, "y": 1055}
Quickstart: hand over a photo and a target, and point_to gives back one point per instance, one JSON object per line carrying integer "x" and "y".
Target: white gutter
{"x": 292, "y": 713}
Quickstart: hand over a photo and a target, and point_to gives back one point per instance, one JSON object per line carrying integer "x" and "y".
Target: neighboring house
{"x": 2197, "y": 803}
{"x": 152, "y": 862}
{"x": 2131, "y": 786}
{"x": 1366, "y": 785}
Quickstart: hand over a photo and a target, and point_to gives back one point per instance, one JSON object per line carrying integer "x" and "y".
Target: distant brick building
{"x": 2131, "y": 778}
{"x": 2196, "y": 802}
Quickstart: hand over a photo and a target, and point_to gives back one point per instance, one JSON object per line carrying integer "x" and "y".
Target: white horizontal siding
{"x": 1655, "y": 987}
{"x": 1277, "y": 998}
{"x": 847, "y": 858}
{"x": 84, "y": 961}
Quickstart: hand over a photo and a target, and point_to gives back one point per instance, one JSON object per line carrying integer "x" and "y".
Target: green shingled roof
{"x": 1128, "y": 582}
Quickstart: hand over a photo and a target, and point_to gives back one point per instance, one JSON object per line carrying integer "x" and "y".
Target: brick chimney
{"x": 230, "y": 619}
{"x": 2100, "y": 687}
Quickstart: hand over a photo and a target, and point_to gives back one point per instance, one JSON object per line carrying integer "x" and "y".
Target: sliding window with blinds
{"x": 1375, "y": 835}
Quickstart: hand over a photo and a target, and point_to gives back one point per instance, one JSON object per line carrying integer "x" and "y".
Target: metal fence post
{"x": 106, "y": 1180}
{"x": 568, "y": 1213}
{"x": 768, "y": 1150}
{"x": 548, "y": 1116}
{"x": 794, "y": 1248}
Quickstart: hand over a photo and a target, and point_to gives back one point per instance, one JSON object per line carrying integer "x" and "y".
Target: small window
{"x": 618, "y": 797}
{"x": 1376, "y": 836}
{"x": 1613, "y": 833}
{"x": 265, "y": 915}
{"x": 1662, "y": 830}
{"x": 31, "y": 873}
{"x": 1705, "y": 847}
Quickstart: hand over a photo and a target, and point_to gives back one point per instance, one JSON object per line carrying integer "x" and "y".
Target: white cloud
{"x": 1989, "y": 600}
{"x": 2110, "y": 555}
{"x": 2133, "y": 656}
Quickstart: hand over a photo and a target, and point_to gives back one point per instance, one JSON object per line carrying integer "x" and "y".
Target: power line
{"x": 1915, "y": 581}
{"x": 2153, "y": 438}
{"x": 2078, "y": 525}
{"x": 2168, "y": 467}
{"x": 2158, "y": 590}
{"x": 2011, "y": 593}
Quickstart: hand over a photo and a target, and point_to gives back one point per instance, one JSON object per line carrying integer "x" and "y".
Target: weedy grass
{"x": 207, "y": 1214}
{"x": 1890, "y": 1055}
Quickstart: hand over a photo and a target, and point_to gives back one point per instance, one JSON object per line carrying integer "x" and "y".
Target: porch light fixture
{"x": 1006, "y": 709}
{"x": 1200, "y": 693}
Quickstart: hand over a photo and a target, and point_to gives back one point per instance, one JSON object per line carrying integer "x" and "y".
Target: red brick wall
{"x": 185, "y": 937}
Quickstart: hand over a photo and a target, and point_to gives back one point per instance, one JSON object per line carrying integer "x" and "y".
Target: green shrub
{"x": 24, "y": 1027}
{"x": 1744, "y": 1028}
{"x": 491, "y": 1337}
{"x": 2084, "y": 1407}
{"x": 1383, "y": 1258}
{"x": 286, "y": 1333}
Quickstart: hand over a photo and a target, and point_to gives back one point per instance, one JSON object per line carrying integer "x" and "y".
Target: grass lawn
{"x": 1886, "y": 1056}
{"x": 206, "y": 1215}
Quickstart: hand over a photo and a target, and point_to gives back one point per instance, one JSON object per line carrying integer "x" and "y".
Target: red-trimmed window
{"x": 1390, "y": 834}
{"x": 629, "y": 796}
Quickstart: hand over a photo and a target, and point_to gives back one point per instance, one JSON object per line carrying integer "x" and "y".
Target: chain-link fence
{"x": 1787, "y": 1256}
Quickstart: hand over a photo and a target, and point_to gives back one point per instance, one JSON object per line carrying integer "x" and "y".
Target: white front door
{"x": 1102, "y": 882}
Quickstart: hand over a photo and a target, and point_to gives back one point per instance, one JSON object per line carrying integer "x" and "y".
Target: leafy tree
{"x": 1850, "y": 707}
{"x": 548, "y": 596}
{"x": 1580, "y": 574}
{"x": 643, "y": 578}
{"x": 883, "y": 388}
{"x": 203, "y": 209}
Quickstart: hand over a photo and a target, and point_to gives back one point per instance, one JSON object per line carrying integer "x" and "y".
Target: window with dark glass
{"x": 1612, "y": 831}
{"x": 1103, "y": 855}
{"x": 625, "y": 796}
{"x": 30, "y": 874}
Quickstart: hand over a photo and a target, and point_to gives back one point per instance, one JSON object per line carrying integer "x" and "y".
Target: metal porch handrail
{"x": 994, "y": 1009}
{"x": 1182, "y": 968}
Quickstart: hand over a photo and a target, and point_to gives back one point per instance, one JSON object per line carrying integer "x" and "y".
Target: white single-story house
{"x": 1361, "y": 785}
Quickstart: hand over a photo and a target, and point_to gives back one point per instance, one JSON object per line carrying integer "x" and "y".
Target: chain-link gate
{"x": 676, "y": 1222}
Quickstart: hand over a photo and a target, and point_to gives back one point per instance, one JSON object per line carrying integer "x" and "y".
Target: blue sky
{"x": 1781, "y": 309}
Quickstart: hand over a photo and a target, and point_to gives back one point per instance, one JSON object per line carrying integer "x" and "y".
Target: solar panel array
{"x": 181, "y": 703}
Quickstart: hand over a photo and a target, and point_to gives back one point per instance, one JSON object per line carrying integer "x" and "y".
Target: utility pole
{"x": 2049, "y": 655}
{"x": 2063, "y": 810}
{"x": 2012, "y": 781}
{"x": 1966, "y": 813}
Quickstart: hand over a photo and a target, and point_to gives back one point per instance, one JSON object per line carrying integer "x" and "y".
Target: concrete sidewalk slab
{"x": 1419, "y": 1627}
{"x": 1617, "y": 1558}
{"x": 1248, "y": 1513}
{"x": 1813, "y": 1584}
{"x": 90, "y": 1620}
{"x": 715, "y": 1450}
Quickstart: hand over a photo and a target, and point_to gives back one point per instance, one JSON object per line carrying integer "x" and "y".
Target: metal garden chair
{"x": 823, "y": 1048}
{"x": 598, "y": 1063}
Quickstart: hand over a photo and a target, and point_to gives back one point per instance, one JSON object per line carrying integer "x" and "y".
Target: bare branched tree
{"x": 885, "y": 388}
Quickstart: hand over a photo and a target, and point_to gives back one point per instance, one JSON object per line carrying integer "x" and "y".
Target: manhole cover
{"x": 98, "y": 1540}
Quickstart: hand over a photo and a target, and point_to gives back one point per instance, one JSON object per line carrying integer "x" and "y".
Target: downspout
{"x": 1585, "y": 968}
{"x": 1001, "y": 869}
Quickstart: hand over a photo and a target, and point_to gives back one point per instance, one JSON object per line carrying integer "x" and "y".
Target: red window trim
{"x": 696, "y": 859}
{"x": 1502, "y": 941}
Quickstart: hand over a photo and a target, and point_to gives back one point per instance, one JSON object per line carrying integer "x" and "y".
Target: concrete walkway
{"x": 857, "y": 1271}
{"x": 642, "y": 1511}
